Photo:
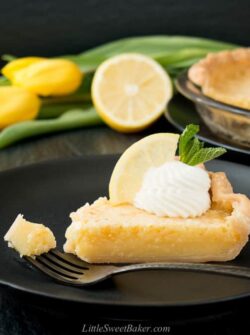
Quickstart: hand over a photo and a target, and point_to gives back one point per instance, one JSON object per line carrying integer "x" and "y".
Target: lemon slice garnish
{"x": 152, "y": 151}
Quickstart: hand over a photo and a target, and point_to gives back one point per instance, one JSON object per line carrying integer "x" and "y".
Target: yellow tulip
{"x": 45, "y": 77}
{"x": 17, "y": 104}
{"x": 11, "y": 68}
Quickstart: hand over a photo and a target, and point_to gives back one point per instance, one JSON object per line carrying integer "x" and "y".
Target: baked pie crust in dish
{"x": 106, "y": 233}
{"x": 224, "y": 76}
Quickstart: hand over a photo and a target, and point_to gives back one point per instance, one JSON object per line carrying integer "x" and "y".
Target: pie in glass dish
{"x": 224, "y": 76}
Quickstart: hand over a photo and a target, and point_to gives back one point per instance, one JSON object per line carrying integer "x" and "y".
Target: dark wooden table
{"x": 97, "y": 140}
{"x": 17, "y": 315}
{"x": 89, "y": 141}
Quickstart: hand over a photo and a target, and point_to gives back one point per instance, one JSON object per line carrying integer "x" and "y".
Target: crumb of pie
{"x": 29, "y": 239}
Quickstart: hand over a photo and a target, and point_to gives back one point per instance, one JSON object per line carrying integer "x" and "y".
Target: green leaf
{"x": 169, "y": 51}
{"x": 206, "y": 154}
{"x": 4, "y": 81}
{"x": 194, "y": 146}
{"x": 54, "y": 110}
{"x": 185, "y": 139}
{"x": 191, "y": 150}
{"x": 8, "y": 58}
{"x": 72, "y": 119}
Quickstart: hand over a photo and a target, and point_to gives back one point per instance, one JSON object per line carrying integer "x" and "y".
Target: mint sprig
{"x": 192, "y": 151}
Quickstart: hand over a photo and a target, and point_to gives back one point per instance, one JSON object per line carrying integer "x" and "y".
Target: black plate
{"x": 48, "y": 192}
{"x": 182, "y": 112}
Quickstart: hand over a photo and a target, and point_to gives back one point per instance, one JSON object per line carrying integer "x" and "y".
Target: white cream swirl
{"x": 174, "y": 189}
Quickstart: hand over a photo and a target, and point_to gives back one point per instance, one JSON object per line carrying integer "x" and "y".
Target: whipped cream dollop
{"x": 174, "y": 189}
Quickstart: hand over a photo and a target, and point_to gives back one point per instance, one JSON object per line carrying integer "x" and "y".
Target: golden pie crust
{"x": 102, "y": 233}
{"x": 224, "y": 76}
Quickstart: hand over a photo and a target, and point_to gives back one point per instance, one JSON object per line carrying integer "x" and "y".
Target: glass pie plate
{"x": 226, "y": 121}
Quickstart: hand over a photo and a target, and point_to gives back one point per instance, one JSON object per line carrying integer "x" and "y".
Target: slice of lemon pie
{"x": 163, "y": 208}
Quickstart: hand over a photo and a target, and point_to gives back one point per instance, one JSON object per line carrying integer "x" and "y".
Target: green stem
{"x": 67, "y": 99}
{"x": 69, "y": 120}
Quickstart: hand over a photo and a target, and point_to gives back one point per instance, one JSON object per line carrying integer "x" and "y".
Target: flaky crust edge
{"x": 223, "y": 196}
{"x": 199, "y": 72}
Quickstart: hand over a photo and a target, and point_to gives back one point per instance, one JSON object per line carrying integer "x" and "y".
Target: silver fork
{"x": 68, "y": 269}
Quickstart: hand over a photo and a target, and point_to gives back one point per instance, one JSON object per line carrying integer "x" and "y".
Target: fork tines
{"x": 62, "y": 267}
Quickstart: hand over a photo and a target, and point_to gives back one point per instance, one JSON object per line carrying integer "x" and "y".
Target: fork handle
{"x": 228, "y": 270}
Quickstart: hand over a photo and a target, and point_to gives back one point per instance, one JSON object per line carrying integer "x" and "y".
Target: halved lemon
{"x": 130, "y": 91}
{"x": 153, "y": 150}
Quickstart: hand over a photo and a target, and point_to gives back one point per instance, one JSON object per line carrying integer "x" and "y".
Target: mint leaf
{"x": 186, "y": 140}
{"x": 192, "y": 151}
{"x": 206, "y": 154}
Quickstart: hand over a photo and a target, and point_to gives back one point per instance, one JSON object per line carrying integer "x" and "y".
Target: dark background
{"x": 54, "y": 27}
